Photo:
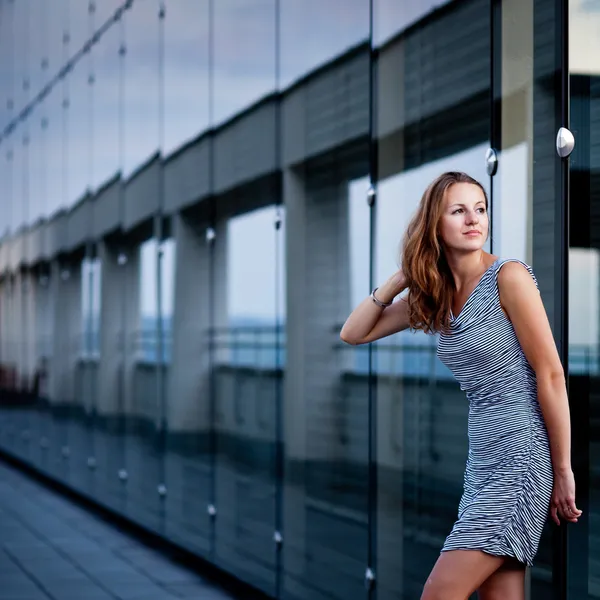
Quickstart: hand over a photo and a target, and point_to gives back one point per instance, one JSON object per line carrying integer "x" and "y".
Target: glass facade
{"x": 196, "y": 193}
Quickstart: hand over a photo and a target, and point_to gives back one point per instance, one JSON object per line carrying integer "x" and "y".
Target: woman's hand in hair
{"x": 369, "y": 322}
{"x": 394, "y": 285}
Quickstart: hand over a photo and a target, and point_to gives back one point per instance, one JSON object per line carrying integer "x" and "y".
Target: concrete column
{"x": 8, "y": 324}
{"x": 44, "y": 327}
{"x": 132, "y": 326}
{"x": 4, "y": 304}
{"x": 66, "y": 343}
{"x": 19, "y": 328}
{"x": 294, "y": 377}
{"x": 318, "y": 288}
{"x": 30, "y": 326}
{"x": 75, "y": 331}
{"x": 111, "y": 349}
{"x": 120, "y": 322}
{"x": 187, "y": 394}
{"x": 316, "y": 295}
{"x": 58, "y": 339}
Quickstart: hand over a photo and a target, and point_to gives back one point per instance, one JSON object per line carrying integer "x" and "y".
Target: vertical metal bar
{"x": 279, "y": 441}
{"x": 560, "y": 571}
{"x": 161, "y": 419}
{"x": 580, "y": 382}
{"x": 122, "y": 259}
{"x": 211, "y": 278}
{"x": 495, "y": 98}
{"x": 370, "y": 577}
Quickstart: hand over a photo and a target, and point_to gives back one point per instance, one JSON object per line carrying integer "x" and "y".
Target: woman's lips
{"x": 472, "y": 233}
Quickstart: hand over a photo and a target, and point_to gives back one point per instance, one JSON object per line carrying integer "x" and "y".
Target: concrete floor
{"x": 53, "y": 549}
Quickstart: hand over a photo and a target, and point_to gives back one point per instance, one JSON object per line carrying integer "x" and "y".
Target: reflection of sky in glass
{"x": 141, "y": 85}
{"x": 584, "y": 47}
{"x": 393, "y": 16}
{"x": 105, "y": 138}
{"x": 584, "y": 291}
{"x": 509, "y": 218}
{"x": 253, "y": 247}
{"x": 312, "y": 32}
{"x": 244, "y": 70}
{"x": 186, "y": 92}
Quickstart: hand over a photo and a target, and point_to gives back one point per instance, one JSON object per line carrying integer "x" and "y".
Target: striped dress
{"x": 508, "y": 476}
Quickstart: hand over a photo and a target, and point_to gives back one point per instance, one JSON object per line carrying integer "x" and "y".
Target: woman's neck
{"x": 467, "y": 267}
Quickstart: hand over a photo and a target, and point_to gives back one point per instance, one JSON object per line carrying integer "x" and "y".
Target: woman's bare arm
{"x": 369, "y": 322}
{"x": 523, "y": 305}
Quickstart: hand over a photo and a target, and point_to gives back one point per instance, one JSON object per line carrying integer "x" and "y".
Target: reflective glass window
{"x": 107, "y": 107}
{"x": 141, "y": 84}
{"x": 244, "y": 55}
{"x": 313, "y": 33}
{"x": 186, "y": 73}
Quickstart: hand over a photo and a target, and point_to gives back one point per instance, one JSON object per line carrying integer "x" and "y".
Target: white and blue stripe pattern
{"x": 508, "y": 477}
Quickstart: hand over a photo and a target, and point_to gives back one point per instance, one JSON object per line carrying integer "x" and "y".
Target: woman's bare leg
{"x": 507, "y": 583}
{"x": 458, "y": 573}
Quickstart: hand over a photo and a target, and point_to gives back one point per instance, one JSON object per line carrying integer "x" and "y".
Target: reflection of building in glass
{"x": 218, "y": 183}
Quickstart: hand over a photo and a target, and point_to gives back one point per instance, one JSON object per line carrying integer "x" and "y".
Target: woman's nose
{"x": 472, "y": 217}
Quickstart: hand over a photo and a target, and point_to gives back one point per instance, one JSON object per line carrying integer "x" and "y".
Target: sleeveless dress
{"x": 508, "y": 476}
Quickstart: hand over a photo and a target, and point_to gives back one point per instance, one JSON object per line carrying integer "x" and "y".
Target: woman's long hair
{"x": 428, "y": 276}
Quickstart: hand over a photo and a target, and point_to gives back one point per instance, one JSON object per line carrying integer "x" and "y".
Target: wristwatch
{"x": 379, "y": 302}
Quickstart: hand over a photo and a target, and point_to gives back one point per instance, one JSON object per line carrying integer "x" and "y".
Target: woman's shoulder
{"x": 513, "y": 272}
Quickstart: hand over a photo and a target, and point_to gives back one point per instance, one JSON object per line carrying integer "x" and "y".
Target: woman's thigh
{"x": 458, "y": 573}
{"x": 507, "y": 583}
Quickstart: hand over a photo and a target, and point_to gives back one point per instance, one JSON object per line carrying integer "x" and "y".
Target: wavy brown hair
{"x": 429, "y": 279}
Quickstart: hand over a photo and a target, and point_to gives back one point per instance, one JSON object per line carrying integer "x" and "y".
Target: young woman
{"x": 495, "y": 337}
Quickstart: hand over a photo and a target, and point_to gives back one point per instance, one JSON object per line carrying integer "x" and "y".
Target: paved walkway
{"x": 52, "y": 549}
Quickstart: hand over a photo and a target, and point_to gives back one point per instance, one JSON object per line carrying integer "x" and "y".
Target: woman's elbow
{"x": 552, "y": 378}
{"x": 348, "y": 338}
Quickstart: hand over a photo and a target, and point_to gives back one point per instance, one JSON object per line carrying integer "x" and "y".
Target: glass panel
{"x": 77, "y": 130}
{"x": 323, "y": 31}
{"x": 246, "y": 384}
{"x": 432, "y": 116}
{"x": 116, "y": 287}
{"x": 186, "y": 90}
{"x": 512, "y": 209}
{"x": 141, "y": 35}
{"x": 189, "y": 460}
{"x": 325, "y": 404}
{"x": 142, "y": 374}
{"x": 584, "y": 294}
{"x": 244, "y": 55}
{"x": 107, "y": 107}
{"x": 54, "y": 155}
{"x": 189, "y": 455}
{"x": 326, "y": 396}
{"x": 143, "y": 445}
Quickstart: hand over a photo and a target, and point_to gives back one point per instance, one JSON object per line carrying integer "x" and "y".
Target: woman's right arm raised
{"x": 369, "y": 322}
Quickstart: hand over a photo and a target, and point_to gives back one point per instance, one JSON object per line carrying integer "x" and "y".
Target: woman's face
{"x": 464, "y": 222}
